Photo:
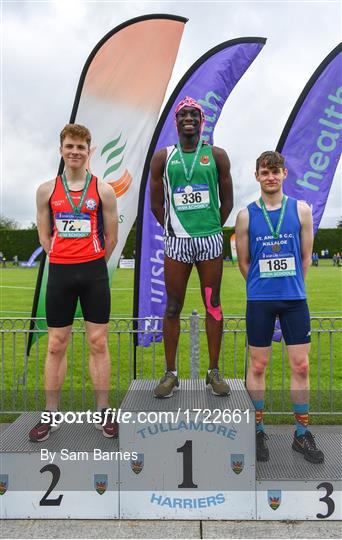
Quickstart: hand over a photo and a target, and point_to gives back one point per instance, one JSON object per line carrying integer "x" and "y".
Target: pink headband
{"x": 190, "y": 102}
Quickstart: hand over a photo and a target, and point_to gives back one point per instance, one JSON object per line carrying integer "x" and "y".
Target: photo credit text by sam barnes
{"x": 95, "y": 455}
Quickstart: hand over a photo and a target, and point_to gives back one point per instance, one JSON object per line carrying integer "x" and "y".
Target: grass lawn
{"x": 22, "y": 385}
{"x": 17, "y": 287}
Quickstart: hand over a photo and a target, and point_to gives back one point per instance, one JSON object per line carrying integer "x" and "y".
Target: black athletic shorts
{"x": 293, "y": 316}
{"x": 69, "y": 282}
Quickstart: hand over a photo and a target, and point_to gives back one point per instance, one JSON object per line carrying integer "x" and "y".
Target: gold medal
{"x": 77, "y": 225}
{"x": 276, "y": 248}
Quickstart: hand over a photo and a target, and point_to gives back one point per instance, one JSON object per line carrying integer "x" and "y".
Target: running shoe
{"x": 219, "y": 387}
{"x": 262, "y": 451}
{"x": 166, "y": 386}
{"x": 41, "y": 431}
{"x": 305, "y": 444}
{"x": 108, "y": 424}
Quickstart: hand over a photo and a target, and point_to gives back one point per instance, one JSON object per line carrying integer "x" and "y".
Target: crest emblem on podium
{"x": 237, "y": 462}
{"x": 137, "y": 465}
{"x": 100, "y": 483}
{"x": 3, "y": 483}
{"x": 274, "y": 498}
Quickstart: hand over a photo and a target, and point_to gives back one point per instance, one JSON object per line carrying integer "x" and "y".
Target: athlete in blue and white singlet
{"x": 275, "y": 275}
{"x": 274, "y": 239}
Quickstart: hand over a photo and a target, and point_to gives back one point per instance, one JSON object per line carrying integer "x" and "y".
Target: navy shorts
{"x": 68, "y": 283}
{"x": 294, "y": 318}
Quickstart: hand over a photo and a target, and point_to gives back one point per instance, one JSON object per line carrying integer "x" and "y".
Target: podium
{"x": 60, "y": 477}
{"x": 194, "y": 458}
{"x": 199, "y": 464}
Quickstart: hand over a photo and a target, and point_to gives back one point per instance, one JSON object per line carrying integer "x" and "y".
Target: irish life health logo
{"x": 114, "y": 150}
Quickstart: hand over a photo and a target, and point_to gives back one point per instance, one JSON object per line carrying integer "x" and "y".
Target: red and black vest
{"x": 76, "y": 237}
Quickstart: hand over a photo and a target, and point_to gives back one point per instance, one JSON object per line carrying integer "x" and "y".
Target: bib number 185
{"x": 277, "y": 264}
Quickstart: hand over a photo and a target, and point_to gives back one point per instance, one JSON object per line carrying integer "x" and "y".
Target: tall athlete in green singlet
{"x": 192, "y": 208}
{"x": 191, "y": 197}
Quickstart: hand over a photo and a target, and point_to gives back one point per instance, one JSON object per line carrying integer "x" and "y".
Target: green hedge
{"x": 24, "y": 242}
{"x": 330, "y": 239}
{"x": 18, "y": 242}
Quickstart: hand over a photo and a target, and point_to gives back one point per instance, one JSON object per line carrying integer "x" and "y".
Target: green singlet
{"x": 191, "y": 193}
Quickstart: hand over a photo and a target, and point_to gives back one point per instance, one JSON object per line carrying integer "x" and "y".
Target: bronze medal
{"x": 276, "y": 248}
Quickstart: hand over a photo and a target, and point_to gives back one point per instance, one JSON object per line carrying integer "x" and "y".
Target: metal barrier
{"x": 22, "y": 385}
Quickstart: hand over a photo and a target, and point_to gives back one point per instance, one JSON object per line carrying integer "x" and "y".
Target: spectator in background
{"x": 15, "y": 260}
{"x": 327, "y": 254}
{"x": 338, "y": 259}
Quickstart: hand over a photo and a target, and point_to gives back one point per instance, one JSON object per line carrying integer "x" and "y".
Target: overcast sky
{"x": 45, "y": 45}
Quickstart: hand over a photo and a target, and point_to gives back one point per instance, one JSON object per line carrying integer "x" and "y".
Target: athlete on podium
{"x": 84, "y": 235}
{"x": 274, "y": 238}
{"x": 191, "y": 198}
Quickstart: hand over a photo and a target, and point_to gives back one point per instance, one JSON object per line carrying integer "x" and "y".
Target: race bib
{"x": 189, "y": 197}
{"x": 277, "y": 266}
{"x": 71, "y": 225}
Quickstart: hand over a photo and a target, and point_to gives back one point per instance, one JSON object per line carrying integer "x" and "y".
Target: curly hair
{"x": 76, "y": 130}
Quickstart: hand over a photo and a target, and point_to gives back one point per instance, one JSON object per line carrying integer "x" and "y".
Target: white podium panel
{"x": 289, "y": 487}
{"x": 197, "y": 462}
{"x": 286, "y": 500}
{"x": 70, "y": 475}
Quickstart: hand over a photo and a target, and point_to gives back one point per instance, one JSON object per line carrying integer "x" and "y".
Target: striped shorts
{"x": 193, "y": 250}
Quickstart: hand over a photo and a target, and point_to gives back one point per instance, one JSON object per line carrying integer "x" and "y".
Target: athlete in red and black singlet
{"x": 77, "y": 267}
{"x": 69, "y": 250}
{"x": 77, "y": 224}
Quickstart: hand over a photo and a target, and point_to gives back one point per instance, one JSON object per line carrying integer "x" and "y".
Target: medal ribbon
{"x": 76, "y": 209}
{"x": 188, "y": 175}
{"x": 275, "y": 233}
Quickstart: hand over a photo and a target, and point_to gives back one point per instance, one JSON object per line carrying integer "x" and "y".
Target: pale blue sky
{"x": 45, "y": 45}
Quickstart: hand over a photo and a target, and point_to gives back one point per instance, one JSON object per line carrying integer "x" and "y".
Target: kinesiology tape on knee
{"x": 215, "y": 311}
